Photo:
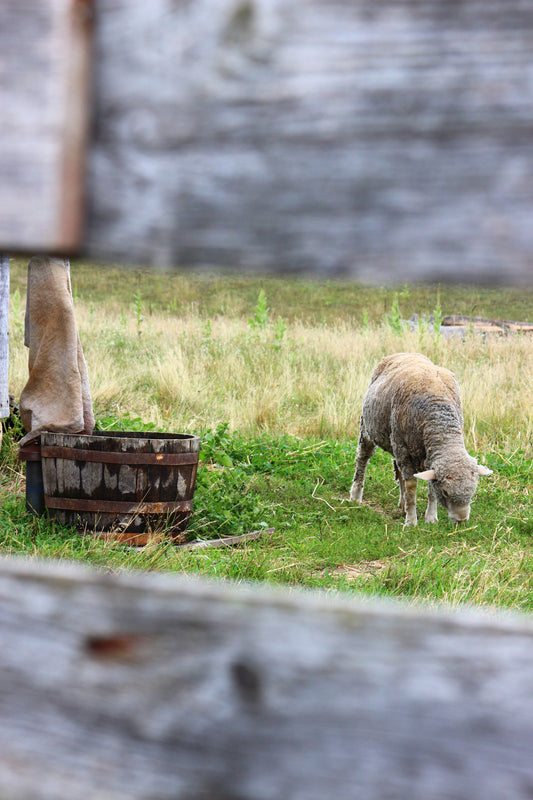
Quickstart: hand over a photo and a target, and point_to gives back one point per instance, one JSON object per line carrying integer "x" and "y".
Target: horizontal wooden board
{"x": 391, "y": 141}
{"x": 142, "y": 686}
{"x": 387, "y": 141}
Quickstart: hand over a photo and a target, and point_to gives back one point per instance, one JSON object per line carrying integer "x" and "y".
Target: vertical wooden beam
{"x": 4, "y": 335}
{"x": 44, "y": 79}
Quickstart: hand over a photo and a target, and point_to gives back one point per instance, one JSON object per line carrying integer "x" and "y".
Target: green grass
{"x": 177, "y": 352}
{"x": 314, "y": 302}
{"x": 321, "y": 540}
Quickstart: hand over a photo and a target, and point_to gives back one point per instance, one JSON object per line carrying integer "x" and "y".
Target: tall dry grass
{"x": 181, "y": 373}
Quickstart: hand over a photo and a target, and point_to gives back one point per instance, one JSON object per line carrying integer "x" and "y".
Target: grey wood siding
{"x": 150, "y": 686}
{"x": 387, "y": 141}
{"x": 44, "y": 63}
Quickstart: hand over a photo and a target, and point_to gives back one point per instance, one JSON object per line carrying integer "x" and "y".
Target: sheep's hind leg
{"x": 365, "y": 448}
{"x": 401, "y": 483}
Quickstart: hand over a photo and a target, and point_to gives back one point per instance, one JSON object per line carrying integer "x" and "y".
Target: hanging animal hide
{"x": 57, "y": 396}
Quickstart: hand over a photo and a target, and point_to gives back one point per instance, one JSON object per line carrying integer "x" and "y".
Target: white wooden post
{"x": 4, "y": 335}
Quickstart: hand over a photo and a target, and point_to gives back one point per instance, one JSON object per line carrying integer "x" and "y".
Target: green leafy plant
{"x": 437, "y": 314}
{"x": 279, "y": 333}
{"x": 216, "y": 444}
{"x": 111, "y": 422}
{"x": 259, "y": 320}
{"x": 394, "y": 317}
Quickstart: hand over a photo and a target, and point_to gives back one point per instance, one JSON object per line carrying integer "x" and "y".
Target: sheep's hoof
{"x": 431, "y": 518}
{"x": 412, "y": 522}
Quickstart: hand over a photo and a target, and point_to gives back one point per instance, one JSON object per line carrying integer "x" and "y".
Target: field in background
{"x": 271, "y": 373}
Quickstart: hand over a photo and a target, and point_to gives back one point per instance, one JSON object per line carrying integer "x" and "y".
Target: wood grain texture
{"x": 389, "y": 141}
{"x": 121, "y": 482}
{"x": 44, "y": 72}
{"x": 225, "y": 541}
{"x": 4, "y": 337}
{"x": 143, "y": 686}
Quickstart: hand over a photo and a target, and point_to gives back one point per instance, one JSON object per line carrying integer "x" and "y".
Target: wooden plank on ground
{"x": 44, "y": 71}
{"x": 487, "y": 325}
{"x": 225, "y": 541}
{"x": 141, "y": 686}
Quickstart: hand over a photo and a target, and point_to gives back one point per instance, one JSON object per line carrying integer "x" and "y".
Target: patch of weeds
{"x": 437, "y": 314}
{"x": 280, "y": 330}
{"x": 216, "y": 446}
{"x": 259, "y": 320}
{"x": 207, "y": 335}
{"x": 112, "y": 422}
{"x": 225, "y": 504}
{"x": 394, "y": 317}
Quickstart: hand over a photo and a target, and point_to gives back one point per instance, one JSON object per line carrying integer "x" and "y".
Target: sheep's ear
{"x": 482, "y": 470}
{"x": 428, "y": 475}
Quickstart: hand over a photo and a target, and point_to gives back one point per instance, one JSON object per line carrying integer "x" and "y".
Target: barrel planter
{"x": 31, "y": 455}
{"x": 127, "y": 486}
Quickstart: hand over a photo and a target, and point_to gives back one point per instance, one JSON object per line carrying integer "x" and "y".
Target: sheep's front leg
{"x": 431, "y": 510}
{"x": 365, "y": 448}
{"x": 410, "y": 501}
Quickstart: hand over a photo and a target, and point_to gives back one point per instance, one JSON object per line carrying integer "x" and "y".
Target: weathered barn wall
{"x": 390, "y": 140}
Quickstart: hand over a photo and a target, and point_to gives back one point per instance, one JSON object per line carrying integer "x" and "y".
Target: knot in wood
{"x": 247, "y": 681}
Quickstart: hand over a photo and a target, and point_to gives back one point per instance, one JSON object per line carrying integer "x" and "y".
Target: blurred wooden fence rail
{"x": 390, "y": 141}
{"x": 145, "y": 686}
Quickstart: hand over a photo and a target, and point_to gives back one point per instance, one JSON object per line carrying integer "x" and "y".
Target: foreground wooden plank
{"x": 126, "y": 686}
{"x": 44, "y": 75}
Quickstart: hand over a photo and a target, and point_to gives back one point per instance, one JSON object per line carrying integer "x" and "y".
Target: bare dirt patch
{"x": 363, "y": 569}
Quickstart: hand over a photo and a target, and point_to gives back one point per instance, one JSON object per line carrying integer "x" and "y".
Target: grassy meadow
{"x": 271, "y": 373}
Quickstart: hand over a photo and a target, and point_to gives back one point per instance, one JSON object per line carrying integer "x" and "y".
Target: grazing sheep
{"x": 412, "y": 409}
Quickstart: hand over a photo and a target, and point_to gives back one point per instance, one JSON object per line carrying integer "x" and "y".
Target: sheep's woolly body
{"x": 412, "y": 409}
{"x": 413, "y": 404}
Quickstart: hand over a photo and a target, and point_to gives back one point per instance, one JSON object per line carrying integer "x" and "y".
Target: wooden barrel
{"x": 128, "y": 486}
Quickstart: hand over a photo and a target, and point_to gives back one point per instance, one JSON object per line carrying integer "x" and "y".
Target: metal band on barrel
{"x": 116, "y": 506}
{"x": 106, "y": 457}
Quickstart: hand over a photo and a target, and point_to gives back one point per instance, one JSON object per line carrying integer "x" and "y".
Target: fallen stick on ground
{"x": 226, "y": 541}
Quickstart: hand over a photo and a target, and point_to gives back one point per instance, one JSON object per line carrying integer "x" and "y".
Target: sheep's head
{"x": 454, "y": 486}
